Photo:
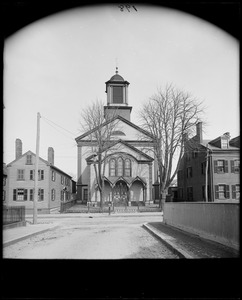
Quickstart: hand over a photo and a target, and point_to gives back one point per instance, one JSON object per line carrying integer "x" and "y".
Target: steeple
{"x": 117, "y": 97}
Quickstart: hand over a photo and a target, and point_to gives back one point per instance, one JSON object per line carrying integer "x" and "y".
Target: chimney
{"x": 199, "y": 132}
{"x": 51, "y": 155}
{"x": 227, "y": 134}
{"x": 18, "y": 148}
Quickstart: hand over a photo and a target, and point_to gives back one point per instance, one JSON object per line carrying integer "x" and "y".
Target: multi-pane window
{"x": 29, "y": 159}
{"x": 40, "y": 174}
{"x": 120, "y": 167}
{"x": 180, "y": 193}
{"x": 236, "y": 191}
{"x": 221, "y": 191}
{"x": 53, "y": 175}
{"x": 203, "y": 168}
{"x": 189, "y": 172}
{"x": 31, "y": 194}
{"x": 20, "y": 174}
{"x": 31, "y": 174}
{"x": 127, "y": 168}
{"x": 189, "y": 194}
{"x": 53, "y": 194}
{"x": 188, "y": 156}
{"x": 67, "y": 181}
{"x": 235, "y": 166}
{"x": 41, "y": 195}
{"x": 203, "y": 192}
{"x": 112, "y": 167}
{"x": 224, "y": 143}
{"x": 221, "y": 166}
{"x": 195, "y": 153}
{"x": 62, "y": 179}
{"x": 20, "y": 194}
{"x": 85, "y": 194}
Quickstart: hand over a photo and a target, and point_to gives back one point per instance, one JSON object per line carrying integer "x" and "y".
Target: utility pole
{"x": 36, "y": 178}
{"x": 206, "y": 175}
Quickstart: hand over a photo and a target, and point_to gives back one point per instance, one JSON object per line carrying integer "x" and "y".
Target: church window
{"x": 127, "y": 168}
{"x": 117, "y": 94}
{"x": 120, "y": 167}
{"x": 112, "y": 167}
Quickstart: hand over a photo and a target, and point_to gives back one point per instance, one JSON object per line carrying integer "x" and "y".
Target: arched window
{"x": 127, "y": 168}
{"x": 112, "y": 165}
{"x": 120, "y": 167}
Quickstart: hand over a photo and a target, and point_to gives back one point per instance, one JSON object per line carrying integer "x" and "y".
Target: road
{"x": 111, "y": 237}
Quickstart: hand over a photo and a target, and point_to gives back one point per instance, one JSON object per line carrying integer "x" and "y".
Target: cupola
{"x": 117, "y": 97}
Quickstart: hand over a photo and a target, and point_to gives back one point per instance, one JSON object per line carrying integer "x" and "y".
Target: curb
{"x": 87, "y": 215}
{"x": 168, "y": 241}
{"x": 21, "y": 238}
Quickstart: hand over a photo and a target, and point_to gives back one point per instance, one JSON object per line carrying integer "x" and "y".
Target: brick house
{"x": 54, "y": 185}
{"x": 214, "y": 164}
{"x": 130, "y": 169}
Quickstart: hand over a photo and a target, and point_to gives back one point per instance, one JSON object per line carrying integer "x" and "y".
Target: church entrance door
{"x": 120, "y": 194}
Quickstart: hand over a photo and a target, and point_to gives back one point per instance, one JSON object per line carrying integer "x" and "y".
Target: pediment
{"x": 121, "y": 129}
{"x": 125, "y": 149}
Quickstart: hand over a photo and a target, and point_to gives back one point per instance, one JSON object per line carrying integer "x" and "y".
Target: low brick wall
{"x": 218, "y": 222}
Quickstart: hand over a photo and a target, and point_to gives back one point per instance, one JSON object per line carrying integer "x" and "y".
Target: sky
{"x": 58, "y": 65}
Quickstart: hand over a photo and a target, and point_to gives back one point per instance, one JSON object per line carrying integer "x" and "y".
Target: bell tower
{"x": 117, "y": 97}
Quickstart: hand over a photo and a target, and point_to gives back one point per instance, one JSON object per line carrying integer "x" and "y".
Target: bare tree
{"x": 169, "y": 116}
{"x": 100, "y": 129}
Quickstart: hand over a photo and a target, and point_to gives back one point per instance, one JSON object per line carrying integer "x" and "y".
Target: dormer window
{"x": 224, "y": 144}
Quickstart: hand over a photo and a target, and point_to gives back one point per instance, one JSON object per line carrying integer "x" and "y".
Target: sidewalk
{"x": 14, "y": 235}
{"x": 88, "y": 215}
{"x": 186, "y": 245}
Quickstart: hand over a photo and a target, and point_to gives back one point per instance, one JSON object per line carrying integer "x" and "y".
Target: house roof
{"x": 209, "y": 144}
{"x": 43, "y": 160}
{"x": 111, "y": 120}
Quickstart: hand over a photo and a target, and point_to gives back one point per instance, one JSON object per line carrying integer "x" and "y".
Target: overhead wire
{"x": 49, "y": 123}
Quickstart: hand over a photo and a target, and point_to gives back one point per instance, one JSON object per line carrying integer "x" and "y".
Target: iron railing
{"x": 13, "y": 214}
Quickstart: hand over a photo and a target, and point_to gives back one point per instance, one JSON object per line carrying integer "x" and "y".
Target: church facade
{"x": 129, "y": 171}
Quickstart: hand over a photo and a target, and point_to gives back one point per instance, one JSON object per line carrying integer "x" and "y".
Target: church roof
{"x": 116, "y": 77}
{"x": 111, "y": 120}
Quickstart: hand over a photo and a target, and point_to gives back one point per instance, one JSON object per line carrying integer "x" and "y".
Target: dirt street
{"x": 92, "y": 238}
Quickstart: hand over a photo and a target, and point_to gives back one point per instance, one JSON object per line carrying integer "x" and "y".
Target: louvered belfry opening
{"x": 118, "y": 94}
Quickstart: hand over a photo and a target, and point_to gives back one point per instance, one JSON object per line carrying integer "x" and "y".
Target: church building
{"x": 129, "y": 170}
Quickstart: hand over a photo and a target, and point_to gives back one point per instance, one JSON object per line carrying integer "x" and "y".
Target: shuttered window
{"x": 220, "y": 166}
{"x": 222, "y": 191}
{"x": 20, "y": 195}
{"x": 117, "y": 94}
{"x": 236, "y": 191}
{"x": 235, "y": 166}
